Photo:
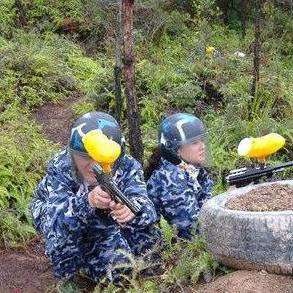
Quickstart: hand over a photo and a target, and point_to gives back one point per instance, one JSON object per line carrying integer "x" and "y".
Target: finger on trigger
{"x": 119, "y": 206}
{"x": 125, "y": 219}
{"x": 112, "y": 205}
{"x": 121, "y": 212}
{"x": 125, "y": 215}
{"x": 103, "y": 200}
{"x": 104, "y": 193}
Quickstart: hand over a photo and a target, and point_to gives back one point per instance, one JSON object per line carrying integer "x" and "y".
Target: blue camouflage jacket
{"x": 178, "y": 193}
{"x": 60, "y": 195}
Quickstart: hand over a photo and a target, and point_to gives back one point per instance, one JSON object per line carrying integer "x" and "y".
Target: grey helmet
{"x": 179, "y": 129}
{"x": 94, "y": 121}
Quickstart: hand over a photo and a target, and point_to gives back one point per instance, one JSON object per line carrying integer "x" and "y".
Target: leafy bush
{"x": 7, "y": 16}
{"x": 40, "y": 69}
{"x": 23, "y": 153}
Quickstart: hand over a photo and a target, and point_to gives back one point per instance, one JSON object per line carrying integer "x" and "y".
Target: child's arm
{"x": 153, "y": 194}
{"x": 177, "y": 206}
{"x": 206, "y": 184}
{"x": 55, "y": 205}
{"x": 181, "y": 199}
{"x": 59, "y": 213}
{"x": 134, "y": 188}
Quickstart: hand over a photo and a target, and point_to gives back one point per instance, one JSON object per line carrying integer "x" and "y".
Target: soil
{"x": 26, "y": 269}
{"x": 56, "y": 119}
{"x": 274, "y": 197}
{"x": 249, "y": 282}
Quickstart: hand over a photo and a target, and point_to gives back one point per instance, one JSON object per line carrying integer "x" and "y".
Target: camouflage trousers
{"x": 98, "y": 250}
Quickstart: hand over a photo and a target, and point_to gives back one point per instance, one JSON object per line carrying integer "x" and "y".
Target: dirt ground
{"x": 56, "y": 119}
{"x": 275, "y": 197}
{"x": 249, "y": 282}
{"x": 26, "y": 269}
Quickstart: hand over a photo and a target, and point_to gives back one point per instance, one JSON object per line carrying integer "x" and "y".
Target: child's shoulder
{"x": 129, "y": 163}
{"x": 127, "y": 167}
{"x": 169, "y": 170}
{"x": 60, "y": 164}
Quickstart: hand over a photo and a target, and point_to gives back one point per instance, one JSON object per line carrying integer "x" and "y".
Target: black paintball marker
{"x": 244, "y": 176}
{"x": 108, "y": 184}
{"x": 259, "y": 148}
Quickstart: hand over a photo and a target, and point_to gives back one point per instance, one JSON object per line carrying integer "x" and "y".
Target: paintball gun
{"x": 108, "y": 184}
{"x": 259, "y": 148}
{"x": 105, "y": 152}
{"x": 244, "y": 176}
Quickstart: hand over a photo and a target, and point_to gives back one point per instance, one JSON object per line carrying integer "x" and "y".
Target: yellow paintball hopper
{"x": 261, "y": 147}
{"x": 103, "y": 150}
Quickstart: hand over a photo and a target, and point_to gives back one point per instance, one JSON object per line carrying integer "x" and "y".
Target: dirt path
{"x": 26, "y": 269}
{"x": 56, "y": 119}
{"x": 249, "y": 282}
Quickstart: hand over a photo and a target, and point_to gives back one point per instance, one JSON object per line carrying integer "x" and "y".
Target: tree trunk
{"x": 118, "y": 65}
{"x": 135, "y": 138}
{"x": 224, "y": 7}
{"x": 256, "y": 51}
{"x": 244, "y": 6}
{"x": 21, "y": 19}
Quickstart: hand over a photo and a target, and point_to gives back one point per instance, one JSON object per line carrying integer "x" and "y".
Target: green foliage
{"x": 82, "y": 107}
{"x": 96, "y": 79}
{"x": 279, "y": 24}
{"x": 32, "y": 73}
{"x": 40, "y": 69}
{"x": 13, "y": 230}
{"x": 68, "y": 16}
{"x": 7, "y": 15}
{"x": 23, "y": 153}
{"x": 204, "y": 10}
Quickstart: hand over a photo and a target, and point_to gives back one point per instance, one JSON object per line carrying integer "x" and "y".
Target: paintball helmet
{"x": 177, "y": 130}
{"x": 97, "y": 135}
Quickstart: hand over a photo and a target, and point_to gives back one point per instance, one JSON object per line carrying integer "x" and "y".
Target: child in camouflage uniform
{"x": 82, "y": 227}
{"x": 177, "y": 182}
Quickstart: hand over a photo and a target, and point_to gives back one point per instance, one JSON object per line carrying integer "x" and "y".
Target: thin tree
{"x": 118, "y": 64}
{"x": 256, "y": 51}
{"x": 244, "y": 12}
{"x": 133, "y": 116}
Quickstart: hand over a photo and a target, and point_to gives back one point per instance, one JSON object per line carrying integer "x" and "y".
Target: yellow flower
{"x": 210, "y": 50}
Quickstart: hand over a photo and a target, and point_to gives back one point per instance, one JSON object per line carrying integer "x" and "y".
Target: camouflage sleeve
{"x": 206, "y": 184}
{"x": 178, "y": 206}
{"x": 55, "y": 205}
{"x": 135, "y": 188}
{"x": 153, "y": 195}
{"x": 38, "y": 205}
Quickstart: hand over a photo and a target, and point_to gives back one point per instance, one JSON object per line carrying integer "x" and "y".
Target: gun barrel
{"x": 109, "y": 185}
{"x": 244, "y": 177}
